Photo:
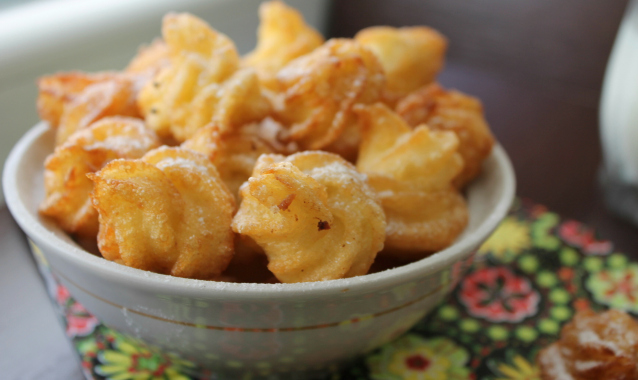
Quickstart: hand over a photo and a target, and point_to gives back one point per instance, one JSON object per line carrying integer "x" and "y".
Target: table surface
{"x": 538, "y": 131}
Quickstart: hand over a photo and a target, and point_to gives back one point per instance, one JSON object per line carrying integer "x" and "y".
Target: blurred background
{"x": 537, "y": 65}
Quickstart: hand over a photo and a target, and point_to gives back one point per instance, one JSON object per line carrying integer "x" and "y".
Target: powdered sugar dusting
{"x": 554, "y": 364}
{"x": 590, "y": 337}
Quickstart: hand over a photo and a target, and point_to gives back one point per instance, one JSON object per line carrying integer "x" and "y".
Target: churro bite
{"x": 202, "y": 84}
{"x": 320, "y": 89}
{"x": 593, "y": 346}
{"x": 411, "y": 57}
{"x": 283, "y": 35}
{"x": 168, "y": 212}
{"x": 88, "y": 150}
{"x": 412, "y": 172}
{"x": 313, "y": 214}
{"x": 450, "y": 110}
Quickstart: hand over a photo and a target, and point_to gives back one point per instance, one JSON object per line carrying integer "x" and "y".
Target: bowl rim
{"x": 36, "y": 230}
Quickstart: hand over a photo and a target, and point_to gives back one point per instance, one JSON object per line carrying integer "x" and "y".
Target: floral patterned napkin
{"x": 529, "y": 278}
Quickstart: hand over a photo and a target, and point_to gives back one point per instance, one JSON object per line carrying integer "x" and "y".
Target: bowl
{"x": 239, "y": 328}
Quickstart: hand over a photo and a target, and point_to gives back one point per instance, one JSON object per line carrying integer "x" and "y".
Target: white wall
{"x": 58, "y": 35}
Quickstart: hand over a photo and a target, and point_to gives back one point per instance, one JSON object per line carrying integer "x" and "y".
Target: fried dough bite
{"x": 412, "y": 172}
{"x": 283, "y": 35}
{"x": 201, "y": 84}
{"x": 452, "y": 111}
{"x": 168, "y": 212}
{"x": 411, "y": 56}
{"x": 54, "y": 91}
{"x": 233, "y": 153}
{"x": 114, "y": 96}
{"x": 86, "y": 151}
{"x": 592, "y": 347}
{"x": 150, "y": 59}
{"x": 319, "y": 90}
{"x": 236, "y": 102}
{"x": 314, "y": 215}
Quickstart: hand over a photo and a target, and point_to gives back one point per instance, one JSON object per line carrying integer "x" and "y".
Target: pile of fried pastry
{"x": 593, "y": 346}
{"x": 304, "y": 159}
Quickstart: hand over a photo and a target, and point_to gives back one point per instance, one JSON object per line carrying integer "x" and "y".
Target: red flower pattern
{"x": 62, "y": 295}
{"x": 578, "y": 235}
{"x": 79, "y": 321}
{"x": 498, "y": 295}
{"x": 417, "y": 362}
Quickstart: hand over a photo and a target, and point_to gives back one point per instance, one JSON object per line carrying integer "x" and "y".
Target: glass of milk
{"x": 619, "y": 120}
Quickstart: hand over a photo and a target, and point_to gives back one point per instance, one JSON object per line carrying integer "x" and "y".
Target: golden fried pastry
{"x": 234, "y": 153}
{"x": 320, "y": 89}
{"x": 283, "y": 35}
{"x": 150, "y": 59}
{"x": 168, "y": 212}
{"x": 314, "y": 215}
{"x": 201, "y": 84}
{"x": 230, "y": 105}
{"x": 411, "y": 57}
{"x": 114, "y": 96}
{"x": 54, "y": 91}
{"x": 67, "y": 187}
{"x": 456, "y": 112}
{"x": 593, "y": 347}
{"x": 412, "y": 172}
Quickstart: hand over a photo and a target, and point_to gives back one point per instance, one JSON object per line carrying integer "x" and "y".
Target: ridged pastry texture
{"x": 313, "y": 214}
{"x": 450, "y": 110}
{"x": 168, "y": 212}
{"x": 412, "y": 171}
{"x": 202, "y": 84}
{"x": 88, "y": 150}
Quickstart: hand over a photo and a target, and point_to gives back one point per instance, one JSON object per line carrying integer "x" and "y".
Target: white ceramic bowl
{"x": 229, "y": 327}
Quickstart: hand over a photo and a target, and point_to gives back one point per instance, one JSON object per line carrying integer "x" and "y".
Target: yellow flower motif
{"x": 39, "y": 256}
{"x": 421, "y": 364}
{"x": 415, "y": 358}
{"x": 131, "y": 361}
{"x": 521, "y": 370}
{"x": 508, "y": 241}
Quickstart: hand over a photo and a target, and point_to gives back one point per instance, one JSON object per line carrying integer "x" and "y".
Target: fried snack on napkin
{"x": 319, "y": 90}
{"x": 452, "y": 111}
{"x": 412, "y": 173}
{"x": 314, "y": 215}
{"x": 411, "y": 57}
{"x": 201, "y": 84}
{"x": 593, "y": 347}
{"x": 283, "y": 35}
{"x": 86, "y": 151}
{"x": 168, "y": 212}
